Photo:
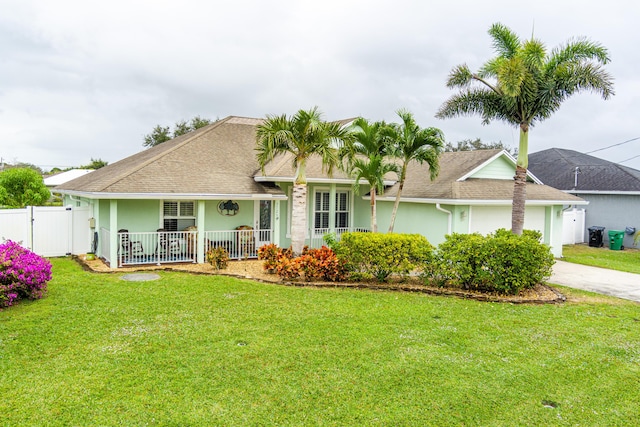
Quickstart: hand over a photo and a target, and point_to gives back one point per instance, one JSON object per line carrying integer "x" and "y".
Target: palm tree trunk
{"x": 520, "y": 182}
{"x": 519, "y": 199}
{"x": 374, "y": 220}
{"x": 298, "y": 218}
{"x": 396, "y": 203}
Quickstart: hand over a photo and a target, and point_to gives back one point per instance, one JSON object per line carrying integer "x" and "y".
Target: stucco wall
{"x": 615, "y": 212}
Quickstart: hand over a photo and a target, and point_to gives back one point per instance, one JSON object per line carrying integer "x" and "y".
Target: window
{"x": 178, "y": 215}
{"x": 321, "y": 215}
{"x": 342, "y": 209}
{"x": 322, "y": 210}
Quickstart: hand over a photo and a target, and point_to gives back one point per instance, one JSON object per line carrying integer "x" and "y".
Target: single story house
{"x": 172, "y": 202}
{"x": 612, "y": 190}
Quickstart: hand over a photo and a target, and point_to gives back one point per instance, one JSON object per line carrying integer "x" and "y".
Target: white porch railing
{"x": 240, "y": 244}
{"x": 181, "y": 246}
{"x": 316, "y": 239}
{"x": 156, "y": 247}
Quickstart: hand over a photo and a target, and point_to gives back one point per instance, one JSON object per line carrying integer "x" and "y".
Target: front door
{"x": 263, "y": 222}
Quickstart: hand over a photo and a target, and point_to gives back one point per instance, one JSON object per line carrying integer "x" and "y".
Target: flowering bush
{"x": 23, "y": 274}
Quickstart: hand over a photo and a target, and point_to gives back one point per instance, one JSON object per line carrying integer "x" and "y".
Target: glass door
{"x": 263, "y": 222}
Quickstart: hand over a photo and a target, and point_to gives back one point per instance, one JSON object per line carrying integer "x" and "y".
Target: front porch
{"x": 191, "y": 246}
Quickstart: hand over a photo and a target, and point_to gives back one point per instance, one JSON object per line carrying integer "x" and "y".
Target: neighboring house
{"x": 172, "y": 202}
{"x": 60, "y": 178}
{"x": 612, "y": 190}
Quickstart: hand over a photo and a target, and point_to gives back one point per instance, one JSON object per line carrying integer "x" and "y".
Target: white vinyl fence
{"x": 48, "y": 230}
{"x": 573, "y": 227}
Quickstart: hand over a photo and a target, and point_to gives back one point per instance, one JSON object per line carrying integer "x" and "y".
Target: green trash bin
{"x": 615, "y": 240}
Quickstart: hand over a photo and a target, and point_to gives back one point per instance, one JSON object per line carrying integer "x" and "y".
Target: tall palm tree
{"x": 302, "y": 135}
{"x": 412, "y": 143}
{"x": 366, "y": 157}
{"x": 524, "y": 85}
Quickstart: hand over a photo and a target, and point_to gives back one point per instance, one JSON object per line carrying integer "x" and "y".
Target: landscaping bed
{"x": 253, "y": 269}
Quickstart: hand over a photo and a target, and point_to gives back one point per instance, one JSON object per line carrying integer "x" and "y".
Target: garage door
{"x": 487, "y": 219}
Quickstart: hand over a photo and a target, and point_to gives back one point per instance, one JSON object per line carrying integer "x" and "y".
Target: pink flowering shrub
{"x": 23, "y": 274}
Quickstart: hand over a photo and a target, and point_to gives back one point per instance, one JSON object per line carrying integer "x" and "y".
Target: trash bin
{"x": 615, "y": 240}
{"x": 595, "y": 236}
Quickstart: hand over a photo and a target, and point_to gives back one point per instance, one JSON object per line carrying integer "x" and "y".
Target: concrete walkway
{"x": 609, "y": 282}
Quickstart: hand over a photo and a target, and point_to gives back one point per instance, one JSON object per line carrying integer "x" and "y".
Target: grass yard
{"x": 626, "y": 260}
{"x": 195, "y": 350}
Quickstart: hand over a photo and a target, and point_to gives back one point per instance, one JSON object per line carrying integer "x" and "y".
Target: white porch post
{"x": 201, "y": 230}
{"x": 113, "y": 234}
{"x": 332, "y": 208}
{"x": 275, "y": 233}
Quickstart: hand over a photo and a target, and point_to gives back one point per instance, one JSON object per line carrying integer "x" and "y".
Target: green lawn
{"x": 626, "y": 260}
{"x": 191, "y": 350}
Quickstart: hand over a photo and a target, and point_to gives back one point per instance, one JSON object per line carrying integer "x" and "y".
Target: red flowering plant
{"x": 23, "y": 274}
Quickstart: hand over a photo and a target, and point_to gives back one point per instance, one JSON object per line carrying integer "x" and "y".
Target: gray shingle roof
{"x": 556, "y": 168}
{"x": 216, "y": 159}
{"x": 219, "y": 159}
{"x": 456, "y": 165}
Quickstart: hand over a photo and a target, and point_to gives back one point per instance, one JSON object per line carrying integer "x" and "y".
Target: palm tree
{"x": 411, "y": 143}
{"x": 366, "y": 155}
{"x": 302, "y": 135}
{"x": 524, "y": 85}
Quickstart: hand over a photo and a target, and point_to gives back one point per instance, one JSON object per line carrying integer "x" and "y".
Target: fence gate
{"x": 573, "y": 227}
{"x": 48, "y": 230}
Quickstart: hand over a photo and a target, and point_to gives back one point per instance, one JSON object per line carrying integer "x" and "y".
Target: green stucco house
{"x": 172, "y": 202}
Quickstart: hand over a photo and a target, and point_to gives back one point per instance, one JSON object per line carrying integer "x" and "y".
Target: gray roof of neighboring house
{"x": 556, "y": 167}
{"x": 449, "y": 184}
{"x": 218, "y": 159}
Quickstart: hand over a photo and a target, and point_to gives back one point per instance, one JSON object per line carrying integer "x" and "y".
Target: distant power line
{"x": 614, "y": 145}
{"x": 630, "y": 158}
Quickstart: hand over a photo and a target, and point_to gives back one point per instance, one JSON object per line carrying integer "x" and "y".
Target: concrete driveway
{"x": 609, "y": 282}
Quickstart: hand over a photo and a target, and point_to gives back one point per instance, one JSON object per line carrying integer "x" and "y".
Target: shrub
{"x": 322, "y": 264}
{"x": 457, "y": 260}
{"x": 218, "y": 257}
{"x": 373, "y": 255}
{"x": 314, "y": 264}
{"x": 500, "y": 262}
{"x": 23, "y": 274}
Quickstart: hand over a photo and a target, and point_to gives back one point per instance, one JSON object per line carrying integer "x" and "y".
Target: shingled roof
{"x": 453, "y": 184}
{"x": 213, "y": 161}
{"x": 556, "y": 167}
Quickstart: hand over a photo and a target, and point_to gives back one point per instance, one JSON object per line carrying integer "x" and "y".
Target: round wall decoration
{"x": 228, "y": 208}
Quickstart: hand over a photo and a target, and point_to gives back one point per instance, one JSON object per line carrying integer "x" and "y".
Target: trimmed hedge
{"x": 374, "y": 255}
{"x": 501, "y": 262}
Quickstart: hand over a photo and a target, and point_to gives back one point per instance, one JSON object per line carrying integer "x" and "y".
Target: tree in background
{"x": 477, "y": 144}
{"x": 524, "y": 85}
{"x": 95, "y": 164}
{"x": 302, "y": 135}
{"x": 20, "y": 187}
{"x": 412, "y": 143}
{"x": 367, "y": 158}
{"x": 161, "y": 134}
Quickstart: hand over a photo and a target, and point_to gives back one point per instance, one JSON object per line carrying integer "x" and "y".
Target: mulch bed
{"x": 252, "y": 269}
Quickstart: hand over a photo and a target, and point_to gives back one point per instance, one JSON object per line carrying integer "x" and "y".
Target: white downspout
{"x": 449, "y": 214}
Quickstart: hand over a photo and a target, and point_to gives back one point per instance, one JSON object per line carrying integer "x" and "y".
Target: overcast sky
{"x": 88, "y": 79}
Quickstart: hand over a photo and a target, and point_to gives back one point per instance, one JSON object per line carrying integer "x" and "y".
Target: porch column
{"x": 275, "y": 232}
{"x": 113, "y": 233}
{"x": 332, "y": 208}
{"x": 201, "y": 231}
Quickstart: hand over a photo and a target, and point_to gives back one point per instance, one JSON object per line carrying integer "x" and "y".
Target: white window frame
{"x": 163, "y": 217}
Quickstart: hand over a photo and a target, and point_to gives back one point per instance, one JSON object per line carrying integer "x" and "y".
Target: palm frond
{"x": 505, "y": 42}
